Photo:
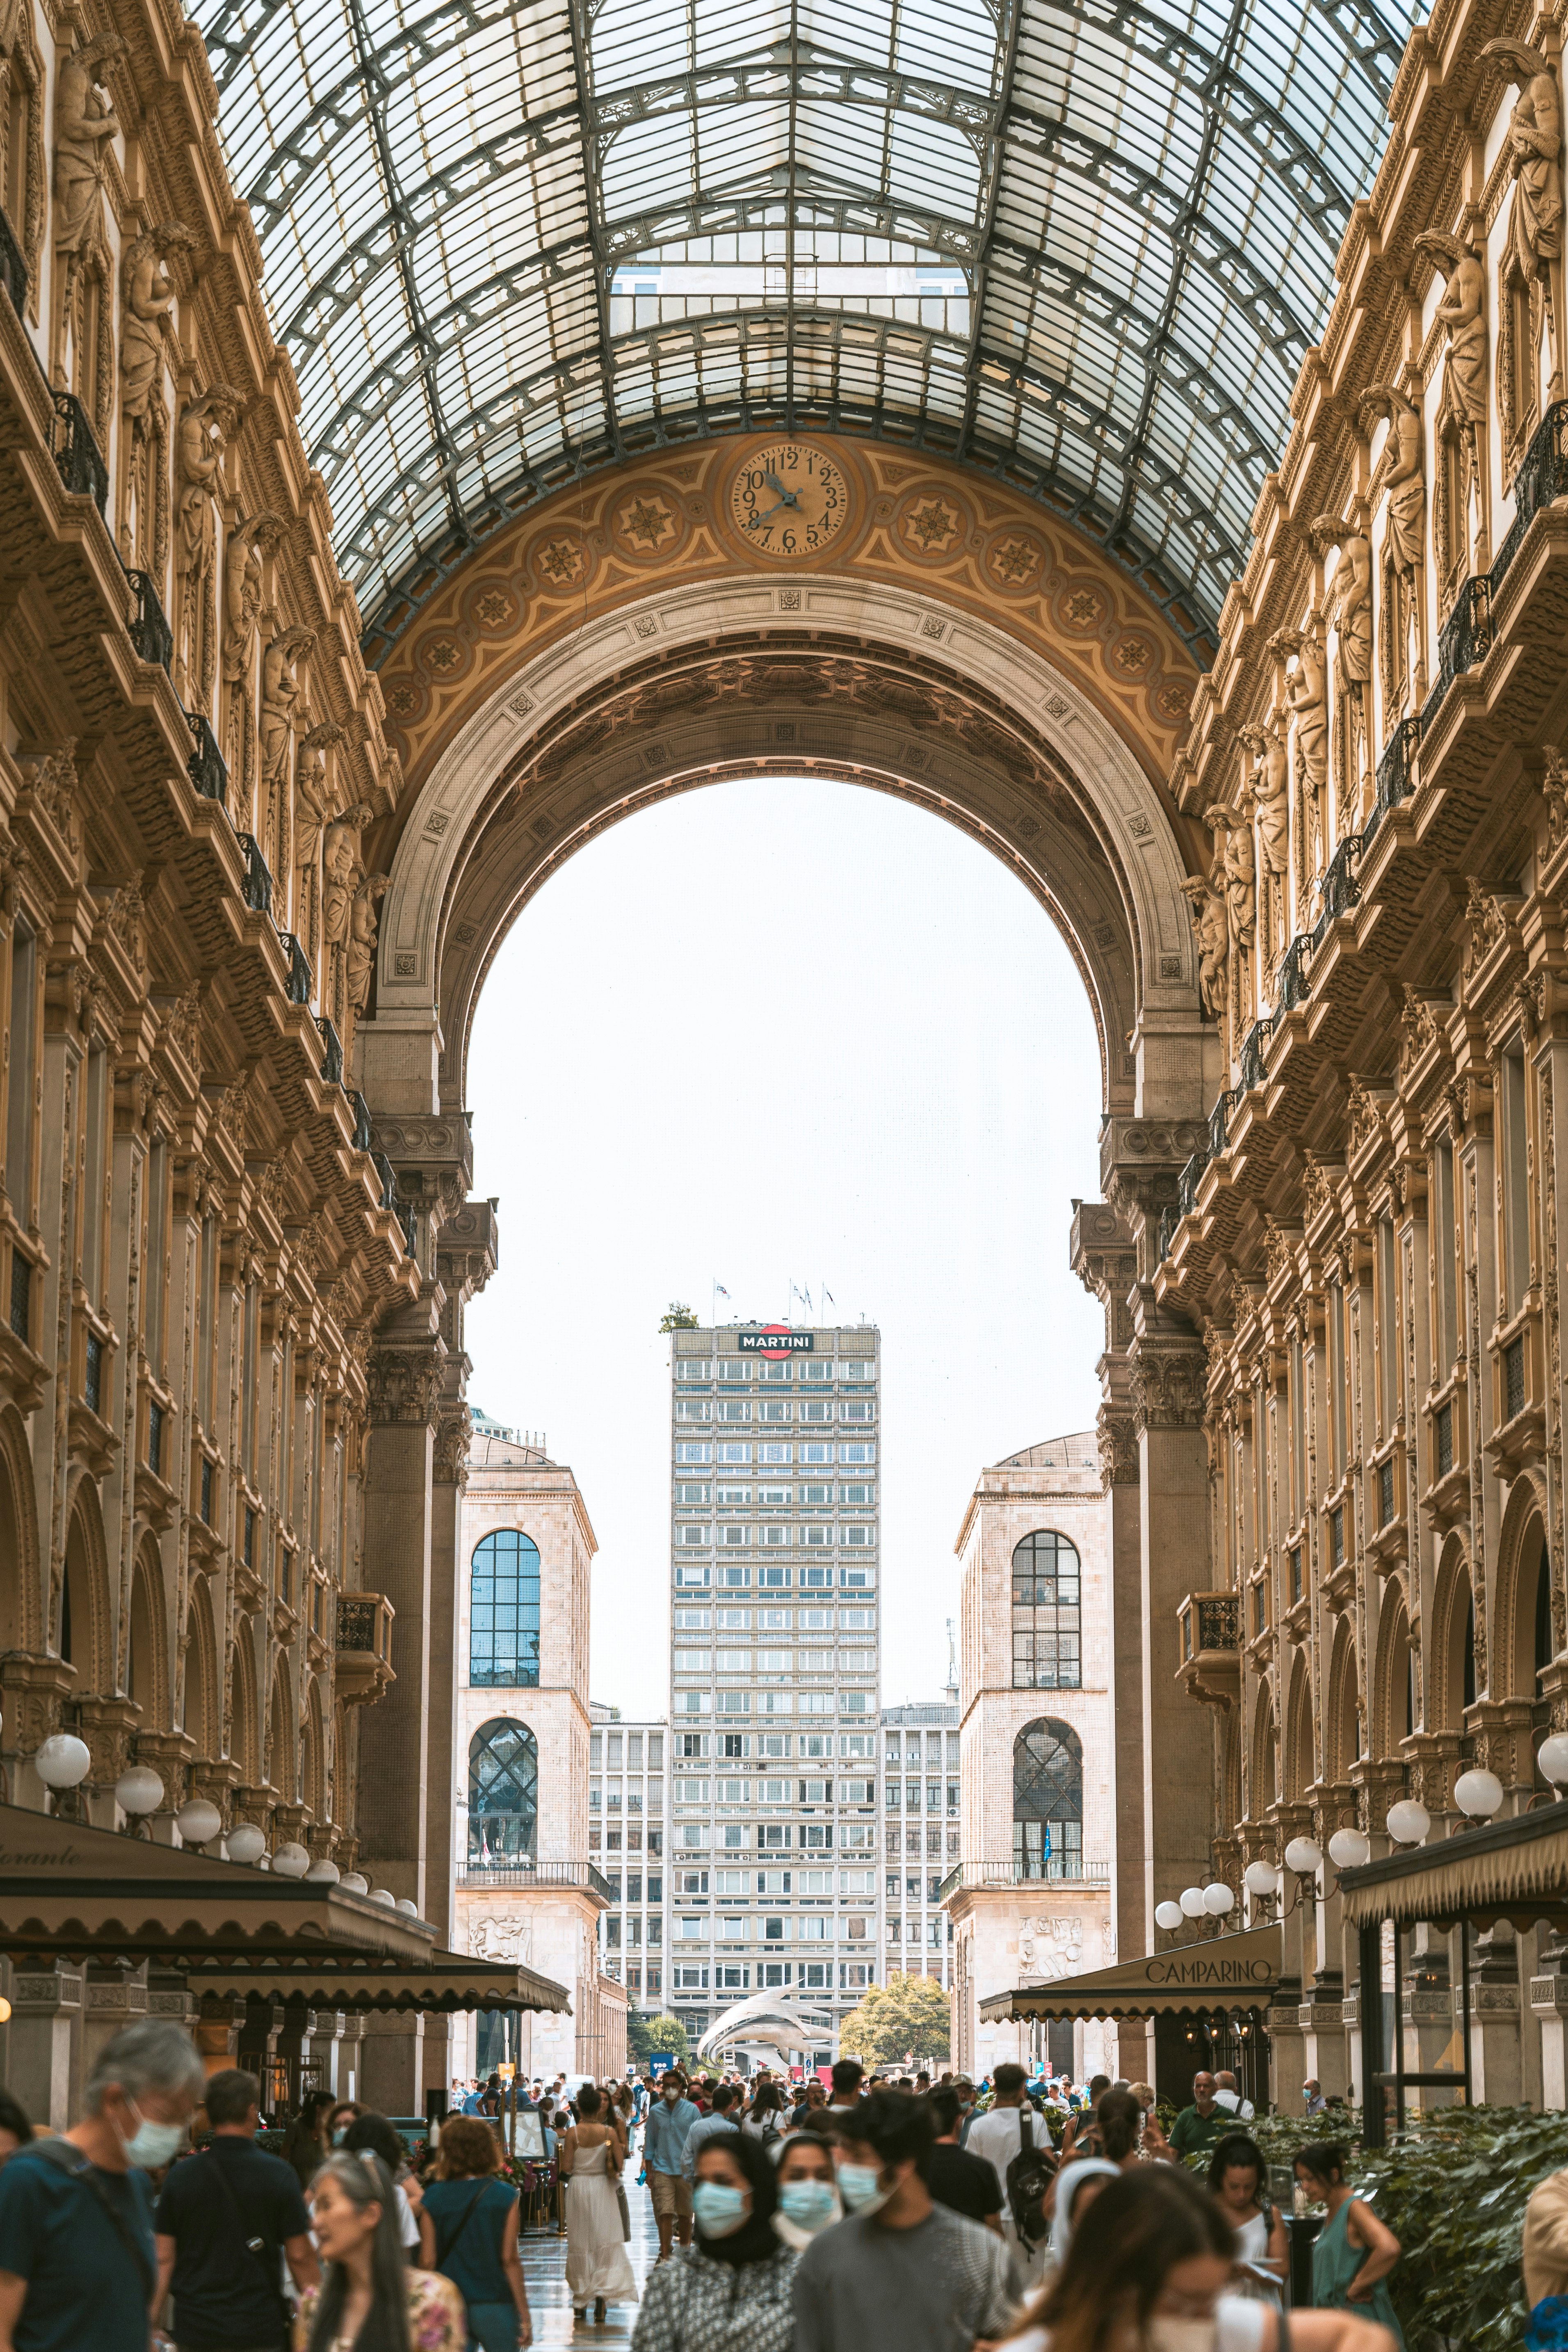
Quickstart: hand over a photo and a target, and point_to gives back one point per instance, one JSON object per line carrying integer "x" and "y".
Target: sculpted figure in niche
{"x": 249, "y": 542}
{"x": 85, "y": 122}
{"x": 364, "y": 918}
{"x": 342, "y": 874}
{"x": 1212, "y": 932}
{"x": 279, "y": 695}
{"x": 1463, "y": 313}
{"x": 1270, "y": 789}
{"x": 1535, "y": 153}
{"x": 206, "y": 426}
{"x": 148, "y": 299}
{"x": 311, "y": 795}
{"x": 1306, "y": 695}
{"x": 1350, "y": 589}
{"x": 1400, "y": 472}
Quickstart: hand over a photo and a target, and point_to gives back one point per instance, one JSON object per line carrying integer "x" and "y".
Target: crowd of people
{"x": 863, "y": 2215}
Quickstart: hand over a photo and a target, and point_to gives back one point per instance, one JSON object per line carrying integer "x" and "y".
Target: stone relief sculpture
{"x": 1212, "y": 932}
{"x": 1535, "y": 223}
{"x": 1351, "y": 590}
{"x": 1462, "y": 407}
{"x": 341, "y": 875}
{"x": 1049, "y": 1948}
{"x": 249, "y": 542}
{"x": 1270, "y": 790}
{"x": 1306, "y": 695}
{"x": 312, "y": 792}
{"x": 507, "y": 1940}
{"x": 85, "y": 122}
{"x": 149, "y": 299}
{"x": 1233, "y": 877}
{"x": 1401, "y": 473}
{"x": 364, "y": 917}
{"x": 206, "y": 426}
{"x": 279, "y": 697}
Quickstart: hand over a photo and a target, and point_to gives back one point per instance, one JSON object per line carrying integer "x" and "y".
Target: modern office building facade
{"x": 628, "y": 1783}
{"x": 921, "y": 1836}
{"x": 776, "y": 1612}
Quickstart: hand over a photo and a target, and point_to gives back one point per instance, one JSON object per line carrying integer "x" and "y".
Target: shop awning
{"x": 1515, "y": 1869}
{"x": 1228, "y": 1972}
{"x": 435, "y": 1986}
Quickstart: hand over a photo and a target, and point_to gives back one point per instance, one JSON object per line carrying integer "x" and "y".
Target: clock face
{"x": 790, "y": 501}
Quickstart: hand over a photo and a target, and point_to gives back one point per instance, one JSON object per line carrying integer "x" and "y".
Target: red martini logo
{"x": 777, "y": 1339}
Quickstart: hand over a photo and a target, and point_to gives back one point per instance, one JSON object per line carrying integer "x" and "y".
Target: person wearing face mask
{"x": 77, "y": 2265}
{"x": 1146, "y": 2271}
{"x": 670, "y": 2120}
{"x": 900, "y": 2273}
{"x": 339, "y": 2118}
{"x": 730, "y": 2292}
{"x": 808, "y": 2195}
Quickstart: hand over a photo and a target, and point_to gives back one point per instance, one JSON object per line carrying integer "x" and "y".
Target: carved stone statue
{"x": 1234, "y": 868}
{"x": 363, "y": 917}
{"x": 148, "y": 299}
{"x": 1212, "y": 932}
{"x": 85, "y": 122}
{"x": 342, "y": 876}
{"x": 1270, "y": 797}
{"x": 279, "y": 697}
{"x": 1352, "y": 593}
{"x": 1535, "y": 149}
{"x": 1463, "y": 313}
{"x": 206, "y": 426}
{"x": 1402, "y": 472}
{"x": 312, "y": 792}
{"x": 248, "y": 543}
{"x": 1307, "y": 696}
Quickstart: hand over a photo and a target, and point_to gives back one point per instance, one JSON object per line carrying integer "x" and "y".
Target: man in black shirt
{"x": 228, "y": 2219}
{"x": 966, "y": 2184}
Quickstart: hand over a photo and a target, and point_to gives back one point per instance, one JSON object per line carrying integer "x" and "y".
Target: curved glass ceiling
{"x": 1086, "y": 245}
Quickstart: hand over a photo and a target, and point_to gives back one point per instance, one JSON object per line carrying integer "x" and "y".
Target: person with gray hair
{"x": 368, "y": 2294}
{"x": 77, "y": 2264}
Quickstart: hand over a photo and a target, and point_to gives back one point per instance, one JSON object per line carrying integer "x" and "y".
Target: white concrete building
{"x": 528, "y": 1887}
{"x": 1031, "y": 1895}
{"x": 774, "y": 1658}
{"x": 921, "y": 1816}
{"x": 627, "y": 1841}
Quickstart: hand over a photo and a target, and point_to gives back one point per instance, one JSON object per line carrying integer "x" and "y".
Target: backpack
{"x": 1028, "y": 2181}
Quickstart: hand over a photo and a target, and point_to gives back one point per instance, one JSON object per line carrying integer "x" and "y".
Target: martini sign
{"x": 777, "y": 1339}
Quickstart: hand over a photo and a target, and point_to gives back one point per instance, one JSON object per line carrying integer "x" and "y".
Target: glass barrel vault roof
{"x": 1084, "y": 245}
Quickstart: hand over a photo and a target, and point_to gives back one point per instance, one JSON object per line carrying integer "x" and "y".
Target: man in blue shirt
{"x": 709, "y": 2128}
{"x": 77, "y": 2265}
{"x": 669, "y": 2119}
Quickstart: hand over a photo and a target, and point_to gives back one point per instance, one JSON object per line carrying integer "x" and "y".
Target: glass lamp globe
{"x": 1553, "y": 1758}
{"x": 407, "y": 1906}
{"x": 291, "y": 1860}
{"x": 139, "y": 1790}
{"x": 1218, "y": 1900}
{"x": 1303, "y": 1857}
{"x": 1168, "y": 1915}
{"x": 245, "y": 1842}
{"x": 1260, "y": 1878}
{"x": 1191, "y": 1899}
{"x": 322, "y": 1874}
{"x": 1408, "y": 1822}
{"x": 353, "y": 1883}
{"x": 198, "y": 1820}
{"x": 1347, "y": 1849}
{"x": 1478, "y": 1794}
{"x": 63, "y": 1761}
{"x": 383, "y": 1895}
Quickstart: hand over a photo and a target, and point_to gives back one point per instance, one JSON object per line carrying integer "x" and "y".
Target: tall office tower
{"x": 626, "y": 1835}
{"x": 774, "y": 1660}
{"x": 921, "y": 1818}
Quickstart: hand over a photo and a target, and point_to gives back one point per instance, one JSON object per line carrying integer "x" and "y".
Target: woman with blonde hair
{"x": 468, "y": 2231}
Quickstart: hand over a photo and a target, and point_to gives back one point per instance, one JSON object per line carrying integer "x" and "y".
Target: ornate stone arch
{"x": 1522, "y": 1567}
{"x": 1341, "y": 1714}
{"x": 283, "y": 1733}
{"x": 1300, "y": 1758}
{"x": 1390, "y": 1676}
{"x": 243, "y": 1729}
{"x": 1450, "y": 1637}
{"x": 25, "y": 1612}
{"x": 1264, "y": 1768}
{"x": 201, "y": 1707}
{"x": 147, "y": 1676}
{"x": 84, "y": 1615}
{"x": 313, "y": 1790}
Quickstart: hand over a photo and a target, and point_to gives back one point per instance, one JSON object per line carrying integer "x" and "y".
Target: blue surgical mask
{"x": 152, "y": 2146}
{"x": 341, "y": 2135}
{"x": 858, "y": 2185}
{"x": 720, "y": 2210}
{"x": 809, "y": 2204}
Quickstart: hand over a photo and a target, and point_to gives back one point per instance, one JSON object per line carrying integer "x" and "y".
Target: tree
{"x": 678, "y": 1316}
{"x": 906, "y": 2017}
{"x": 647, "y": 2034}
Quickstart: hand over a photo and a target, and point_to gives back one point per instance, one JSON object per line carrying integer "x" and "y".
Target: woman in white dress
{"x": 598, "y": 2271}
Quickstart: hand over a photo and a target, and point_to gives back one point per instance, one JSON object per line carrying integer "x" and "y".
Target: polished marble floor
{"x": 544, "y": 2273}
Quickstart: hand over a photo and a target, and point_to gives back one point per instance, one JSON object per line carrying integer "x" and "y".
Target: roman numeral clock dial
{"x": 790, "y": 501}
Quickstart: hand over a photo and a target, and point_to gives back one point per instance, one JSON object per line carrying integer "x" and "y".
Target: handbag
{"x": 625, "y": 2209}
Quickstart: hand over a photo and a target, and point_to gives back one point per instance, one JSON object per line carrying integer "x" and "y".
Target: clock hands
{"x": 787, "y": 498}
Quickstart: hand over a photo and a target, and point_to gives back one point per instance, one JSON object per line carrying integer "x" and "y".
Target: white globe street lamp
{"x": 1408, "y": 1822}
{"x": 1349, "y": 1849}
{"x": 198, "y": 1822}
{"x": 245, "y": 1842}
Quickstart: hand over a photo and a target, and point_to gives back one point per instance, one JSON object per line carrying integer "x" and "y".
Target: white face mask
{"x": 151, "y": 2146}
{"x": 858, "y": 2186}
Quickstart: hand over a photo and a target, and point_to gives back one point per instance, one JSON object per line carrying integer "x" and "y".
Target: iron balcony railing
{"x": 1209, "y": 1621}
{"x": 360, "y": 1109}
{"x": 1218, "y": 1122}
{"x": 257, "y": 875}
{"x": 1339, "y": 890}
{"x": 297, "y": 987}
{"x": 76, "y": 453}
{"x": 1465, "y": 639}
{"x": 332, "y": 1052}
{"x": 1169, "y": 1221}
{"x": 1070, "y": 1869}
{"x": 1252, "y": 1053}
{"x": 13, "y": 266}
{"x": 1187, "y": 1181}
{"x": 1292, "y": 983}
{"x": 1542, "y": 476}
{"x": 150, "y": 632}
{"x": 536, "y": 1873}
{"x": 207, "y": 768}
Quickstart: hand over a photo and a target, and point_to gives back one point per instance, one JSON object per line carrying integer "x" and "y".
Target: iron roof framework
{"x": 1106, "y": 232}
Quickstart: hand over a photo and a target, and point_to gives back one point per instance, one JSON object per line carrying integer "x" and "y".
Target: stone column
{"x": 1497, "y": 2058}
{"x": 113, "y": 1997}
{"x": 46, "y": 2010}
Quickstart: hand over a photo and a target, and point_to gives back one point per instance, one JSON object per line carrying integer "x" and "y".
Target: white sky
{"x": 775, "y": 1028}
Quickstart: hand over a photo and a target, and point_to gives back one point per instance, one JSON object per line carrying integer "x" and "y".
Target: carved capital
{"x": 454, "y": 1430}
{"x": 1170, "y": 1378}
{"x": 1117, "y": 1427}
{"x": 403, "y": 1384}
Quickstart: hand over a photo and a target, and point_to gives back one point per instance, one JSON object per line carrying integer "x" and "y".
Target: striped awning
{"x": 1220, "y": 1972}
{"x": 1515, "y": 1869}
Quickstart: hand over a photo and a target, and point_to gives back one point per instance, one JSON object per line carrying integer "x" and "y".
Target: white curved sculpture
{"x": 772, "y": 2019}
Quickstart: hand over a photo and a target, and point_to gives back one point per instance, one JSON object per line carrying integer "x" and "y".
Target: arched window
{"x": 1046, "y": 1623}
{"x": 503, "y": 1622}
{"x": 503, "y": 1796}
{"x": 1048, "y": 1802}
